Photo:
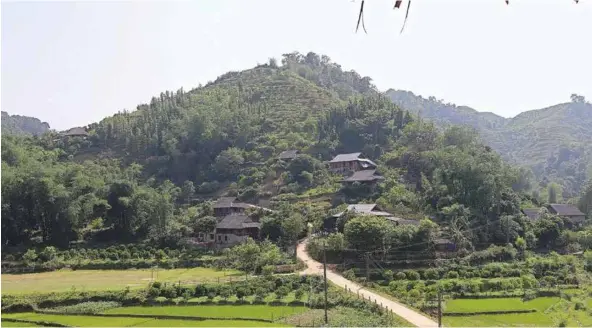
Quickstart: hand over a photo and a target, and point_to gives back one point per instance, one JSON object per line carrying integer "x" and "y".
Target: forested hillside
{"x": 150, "y": 174}
{"x": 17, "y": 124}
{"x": 555, "y": 143}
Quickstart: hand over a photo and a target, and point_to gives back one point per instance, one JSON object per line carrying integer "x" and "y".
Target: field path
{"x": 314, "y": 267}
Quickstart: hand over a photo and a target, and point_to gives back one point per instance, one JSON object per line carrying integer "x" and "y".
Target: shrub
{"x": 281, "y": 292}
{"x": 153, "y": 292}
{"x": 260, "y": 294}
{"x": 452, "y": 275}
{"x": 431, "y": 274}
{"x": 88, "y": 307}
{"x": 349, "y": 274}
{"x": 299, "y": 294}
{"x": 387, "y": 275}
{"x": 241, "y": 292}
{"x": 400, "y": 275}
{"x": 200, "y": 290}
{"x": 412, "y": 275}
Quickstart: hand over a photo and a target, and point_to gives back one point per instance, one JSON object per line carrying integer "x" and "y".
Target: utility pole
{"x": 367, "y": 267}
{"x": 439, "y": 308}
{"x": 325, "y": 274}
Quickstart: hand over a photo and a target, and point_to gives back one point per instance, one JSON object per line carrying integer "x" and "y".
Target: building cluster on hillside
{"x": 570, "y": 213}
{"x": 235, "y": 224}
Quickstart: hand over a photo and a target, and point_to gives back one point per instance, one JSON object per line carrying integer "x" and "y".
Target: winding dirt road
{"x": 314, "y": 267}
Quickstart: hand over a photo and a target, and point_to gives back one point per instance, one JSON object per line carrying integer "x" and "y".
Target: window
{"x": 225, "y": 238}
{"x": 219, "y": 238}
{"x": 211, "y": 236}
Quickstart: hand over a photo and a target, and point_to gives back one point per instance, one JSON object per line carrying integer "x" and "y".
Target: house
{"x": 532, "y": 213}
{"x": 364, "y": 176}
{"x": 570, "y": 213}
{"x": 234, "y": 229}
{"x": 75, "y": 132}
{"x": 330, "y": 223}
{"x": 288, "y": 155}
{"x": 344, "y": 163}
{"x": 230, "y": 205}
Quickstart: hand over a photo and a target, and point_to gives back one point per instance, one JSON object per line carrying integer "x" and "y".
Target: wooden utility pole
{"x": 325, "y": 274}
{"x": 367, "y": 267}
{"x": 439, "y": 308}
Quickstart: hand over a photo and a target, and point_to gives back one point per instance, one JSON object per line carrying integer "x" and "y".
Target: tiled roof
{"x": 289, "y": 154}
{"x": 531, "y": 213}
{"x": 361, "y": 208}
{"x": 566, "y": 210}
{"x": 225, "y": 202}
{"x": 78, "y": 131}
{"x": 364, "y": 175}
{"x": 345, "y": 157}
{"x": 236, "y": 221}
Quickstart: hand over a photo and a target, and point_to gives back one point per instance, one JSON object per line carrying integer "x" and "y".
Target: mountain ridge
{"x": 554, "y": 141}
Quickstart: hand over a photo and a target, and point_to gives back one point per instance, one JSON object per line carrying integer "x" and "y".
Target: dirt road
{"x": 314, "y": 267}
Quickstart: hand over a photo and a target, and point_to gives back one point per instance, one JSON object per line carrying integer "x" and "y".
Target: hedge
{"x": 462, "y": 314}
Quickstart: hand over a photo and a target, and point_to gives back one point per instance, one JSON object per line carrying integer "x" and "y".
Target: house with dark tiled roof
{"x": 236, "y": 228}
{"x": 230, "y": 205}
{"x": 569, "y": 212}
{"x": 532, "y": 213}
{"x": 364, "y": 176}
{"x": 330, "y": 223}
{"x": 289, "y": 155}
{"x": 75, "y": 132}
{"x": 344, "y": 163}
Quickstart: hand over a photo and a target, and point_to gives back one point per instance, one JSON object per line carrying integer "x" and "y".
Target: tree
{"x": 575, "y": 98}
{"x": 205, "y": 225}
{"x": 281, "y": 292}
{"x": 30, "y": 257}
{"x": 553, "y": 190}
{"x": 187, "y": 191}
{"x": 229, "y": 162}
{"x": 366, "y": 233}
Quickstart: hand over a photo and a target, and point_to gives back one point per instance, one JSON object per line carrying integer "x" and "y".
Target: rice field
{"x": 64, "y": 280}
{"x": 95, "y": 321}
{"x": 214, "y": 311}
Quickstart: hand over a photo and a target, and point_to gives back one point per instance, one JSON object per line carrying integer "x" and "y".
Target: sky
{"x": 73, "y": 63}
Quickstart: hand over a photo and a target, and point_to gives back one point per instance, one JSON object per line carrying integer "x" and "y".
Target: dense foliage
{"x": 553, "y": 144}
{"x": 22, "y": 125}
{"x": 148, "y": 175}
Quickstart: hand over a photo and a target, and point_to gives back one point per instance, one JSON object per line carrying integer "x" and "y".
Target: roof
{"x": 78, "y": 131}
{"x": 566, "y": 210}
{"x": 364, "y": 175}
{"x": 289, "y": 154}
{"x": 236, "y": 221}
{"x": 366, "y": 162}
{"x": 225, "y": 202}
{"x": 531, "y": 213}
{"x": 345, "y": 157}
{"x": 361, "y": 208}
{"x": 366, "y": 209}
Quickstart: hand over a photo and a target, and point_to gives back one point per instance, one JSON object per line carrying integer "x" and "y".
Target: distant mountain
{"x": 17, "y": 124}
{"x": 555, "y": 142}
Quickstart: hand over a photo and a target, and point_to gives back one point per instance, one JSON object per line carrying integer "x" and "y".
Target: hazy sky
{"x": 72, "y": 63}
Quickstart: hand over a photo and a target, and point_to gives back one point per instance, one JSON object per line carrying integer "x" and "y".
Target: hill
{"x": 149, "y": 175}
{"x": 554, "y": 142}
{"x": 17, "y": 124}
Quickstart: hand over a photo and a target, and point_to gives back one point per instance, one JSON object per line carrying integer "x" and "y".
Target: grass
{"x": 92, "y": 321}
{"x": 17, "y": 324}
{"x": 547, "y": 313}
{"x": 214, "y": 311}
{"x": 344, "y": 317}
{"x": 499, "y": 304}
{"x": 64, "y": 280}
